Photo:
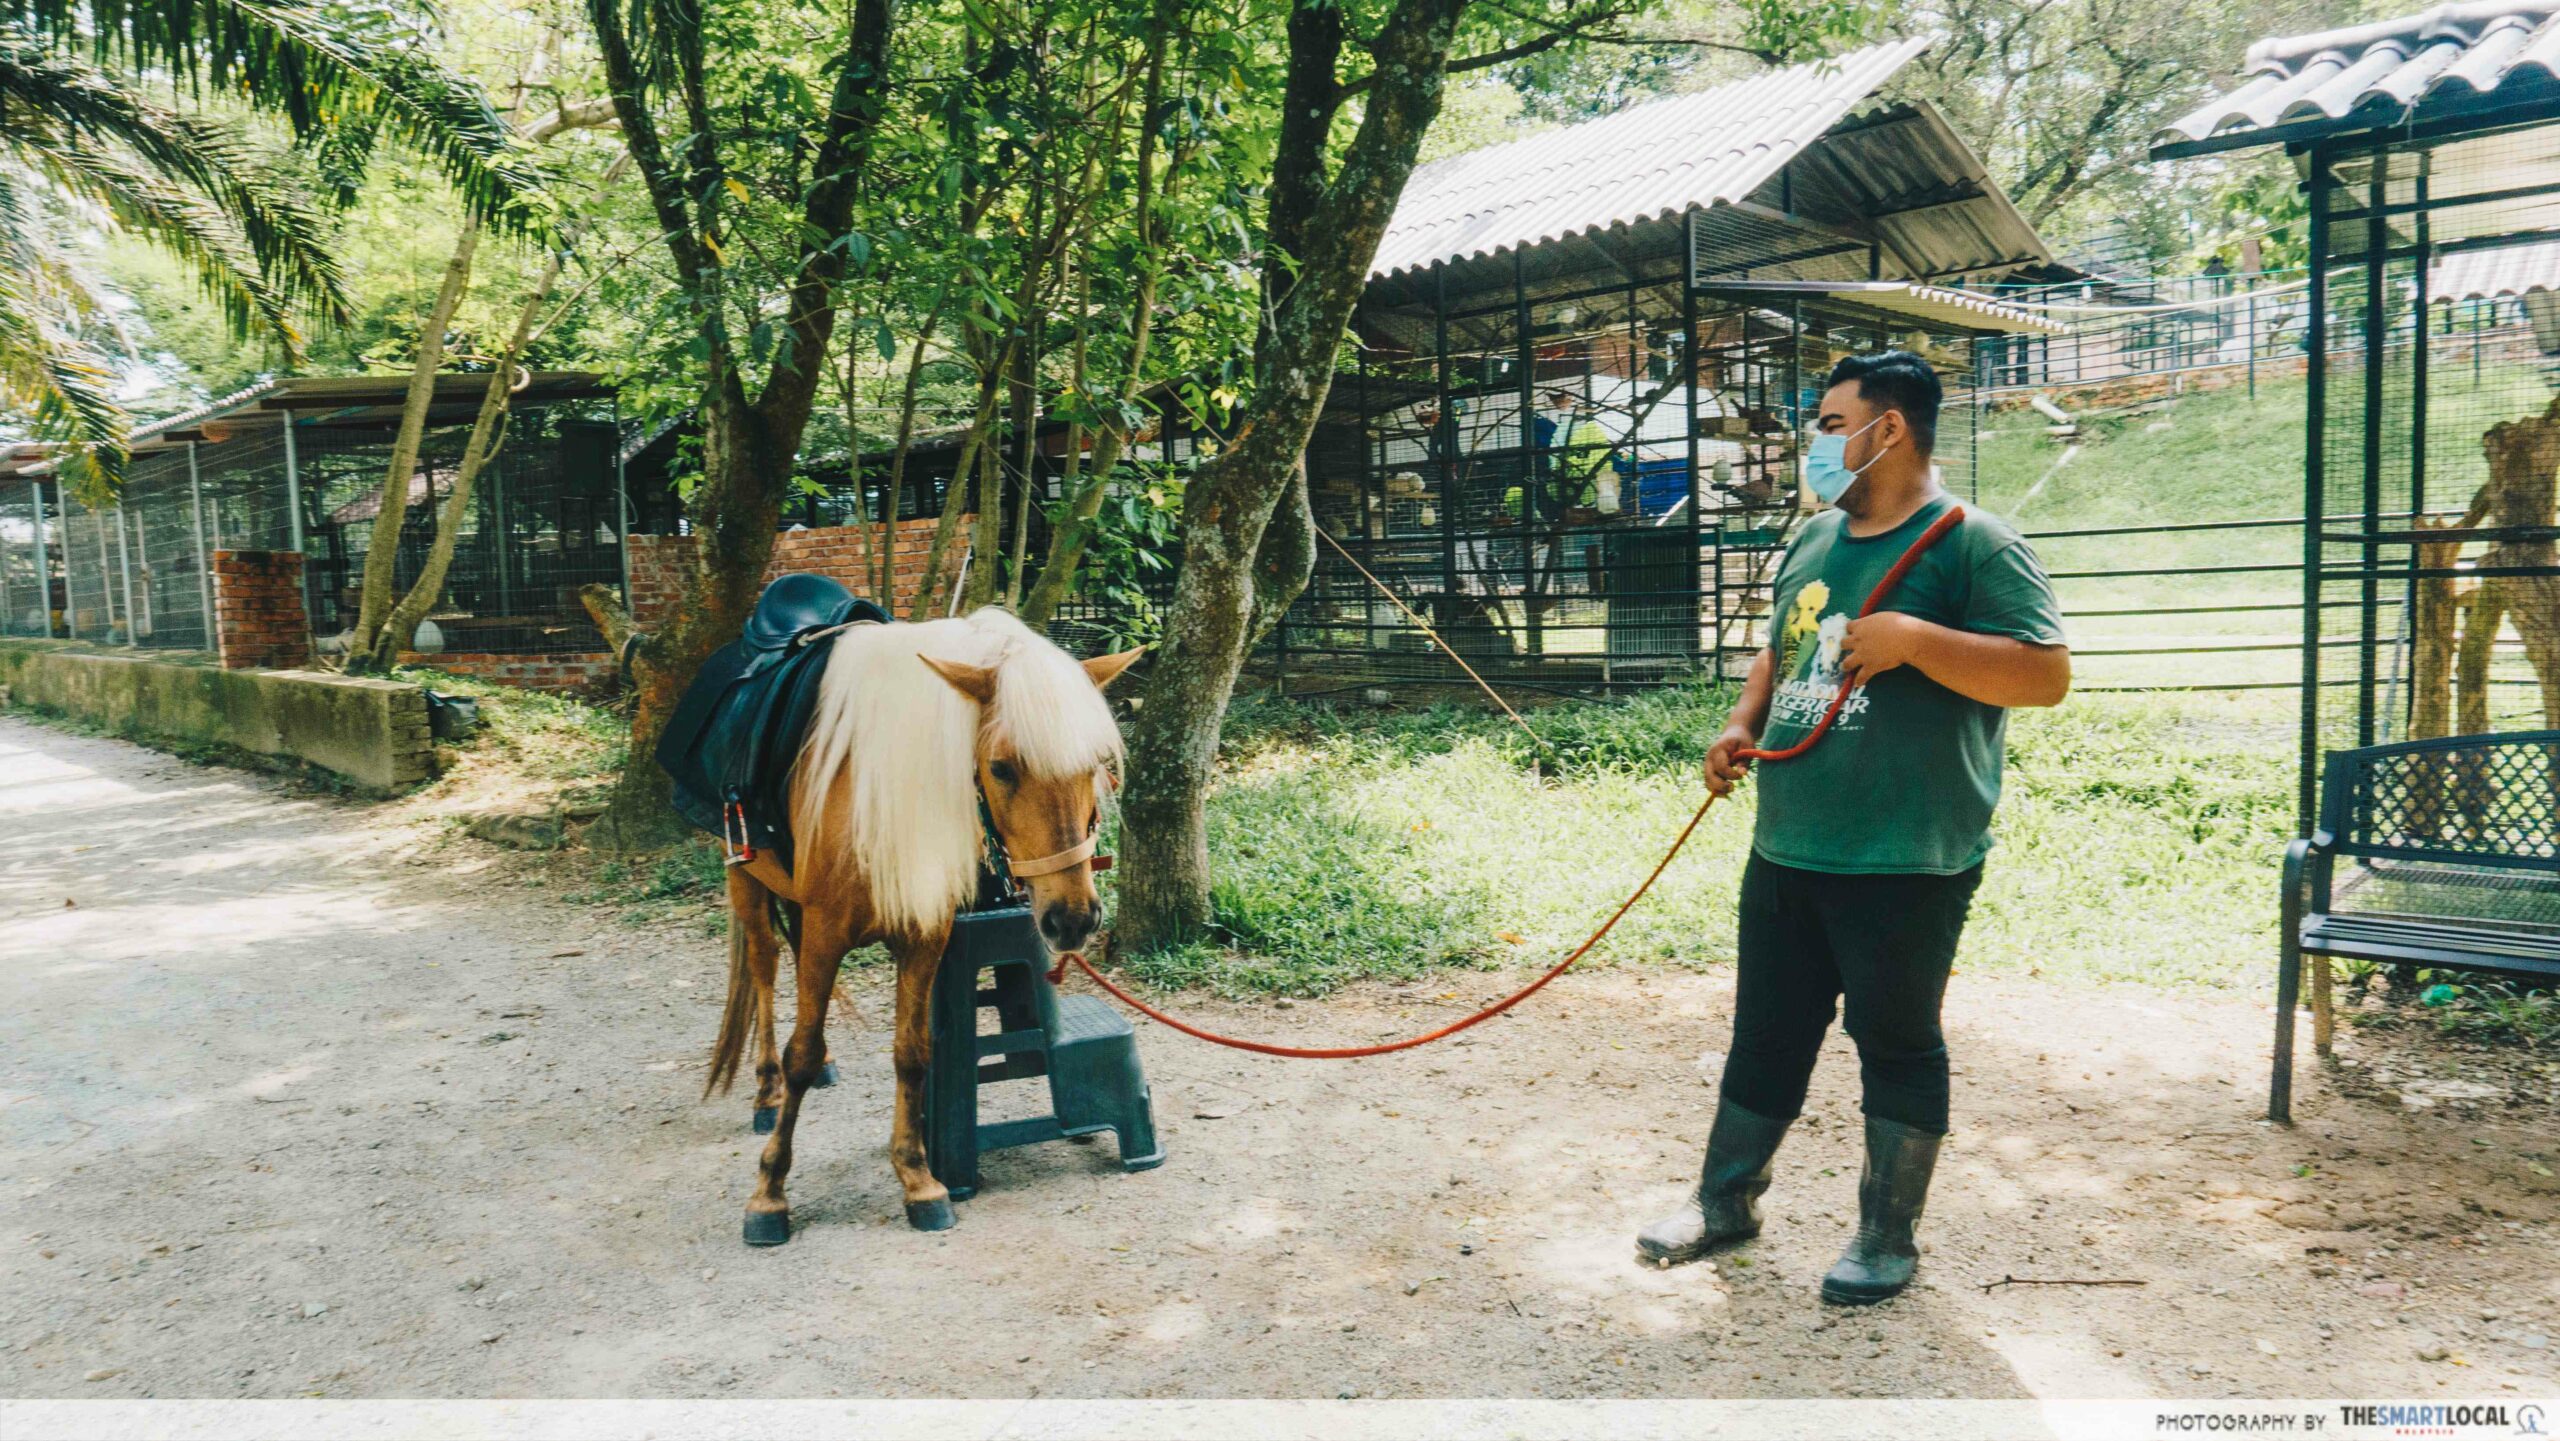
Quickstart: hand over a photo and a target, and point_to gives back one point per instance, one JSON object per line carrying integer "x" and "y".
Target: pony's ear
{"x": 977, "y": 682}
{"x": 1106, "y": 668}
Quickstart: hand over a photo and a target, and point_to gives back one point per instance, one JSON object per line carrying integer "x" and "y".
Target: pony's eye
{"x": 1003, "y": 772}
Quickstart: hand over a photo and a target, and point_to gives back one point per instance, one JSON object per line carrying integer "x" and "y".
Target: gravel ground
{"x": 291, "y": 1104}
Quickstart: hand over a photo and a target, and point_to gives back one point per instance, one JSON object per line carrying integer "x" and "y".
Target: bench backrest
{"x": 2481, "y": 800}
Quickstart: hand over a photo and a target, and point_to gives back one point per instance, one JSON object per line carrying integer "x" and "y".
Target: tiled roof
{"x": 2380, "y": 73}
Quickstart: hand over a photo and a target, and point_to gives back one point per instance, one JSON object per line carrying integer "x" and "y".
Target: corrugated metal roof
{"x": 2499, "y": 273}
{"x": 1928, "y": 304}
{"x": 2390, "y": 67}
{"x": 1645, "y": 163}
{"x": 320, "y": 392}
{"x": 188, "y": 419}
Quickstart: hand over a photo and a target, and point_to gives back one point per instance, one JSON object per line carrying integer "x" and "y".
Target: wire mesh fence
{"x": 30, "y": 588}
{"x": 2245, "y": 328}
{"x": 2437, "y": 587}
{"x": 544, "y": 519}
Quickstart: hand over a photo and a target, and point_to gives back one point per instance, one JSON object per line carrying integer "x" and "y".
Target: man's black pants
{"x": 1886, "y": 944}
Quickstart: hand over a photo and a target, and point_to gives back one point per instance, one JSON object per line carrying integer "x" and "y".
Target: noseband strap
{"x": 1050, "y": 865}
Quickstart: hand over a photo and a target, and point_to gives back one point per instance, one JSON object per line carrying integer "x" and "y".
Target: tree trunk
{"x": 748, "y": 445}
{"x": 382, "y": 555}
{"x": 488, "y": 432}
{"x": 986, "y": 542}
{"x": 1236, "y": 576}
{"x": 734, "y": 515}
{"x": 955, "y": 501}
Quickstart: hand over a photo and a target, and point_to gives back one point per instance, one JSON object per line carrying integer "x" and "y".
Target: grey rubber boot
{"x": 1727, "y": 1204}
{"x": 1879, "y": 1263}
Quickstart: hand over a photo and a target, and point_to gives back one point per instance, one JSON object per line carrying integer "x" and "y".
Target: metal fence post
{"x": 70, "y": 578}
{"x": 622, "y": 503}
{"x": 293, "y": 488}
{"x": 44, "y": 566}
{"x": 124, "y": 559}
{"x": 293, "y": 510}
{"x": 106, "y": 569}
{"x": 204, "y": 554}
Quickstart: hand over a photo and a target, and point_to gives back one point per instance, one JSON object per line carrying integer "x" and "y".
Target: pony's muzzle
{"x": 1068, "y": 925}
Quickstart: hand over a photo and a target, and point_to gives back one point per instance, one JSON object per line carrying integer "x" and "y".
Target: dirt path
{"x": 276, "y": 1122}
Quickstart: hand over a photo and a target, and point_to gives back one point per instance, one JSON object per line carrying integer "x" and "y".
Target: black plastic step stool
{"x": 1086, "y": 1049}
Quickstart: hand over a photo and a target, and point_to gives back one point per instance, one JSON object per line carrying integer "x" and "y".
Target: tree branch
{"x": 853, "y": 115}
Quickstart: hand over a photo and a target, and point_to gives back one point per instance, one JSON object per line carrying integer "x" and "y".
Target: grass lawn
{"x": 2210, "y": 455}
{"x": 2139, "y": 841}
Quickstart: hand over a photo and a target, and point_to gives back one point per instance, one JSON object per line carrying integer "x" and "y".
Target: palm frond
{"x": 186, "y": 225}
{"x": 297, "y": 60}
{"x": 83, "y": 116}
{"x": 64, "y": 388}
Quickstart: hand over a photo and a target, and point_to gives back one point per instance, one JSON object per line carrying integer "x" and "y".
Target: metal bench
{"x": 2432, "y": 853}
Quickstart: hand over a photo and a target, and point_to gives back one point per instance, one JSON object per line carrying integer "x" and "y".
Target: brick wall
{"x": 259, "y": 621}
{"x": 657, "y": 575}
{"x": 588, "y": 674}
{"x": 659, "y": 566}
{"x": 659, "y": 562}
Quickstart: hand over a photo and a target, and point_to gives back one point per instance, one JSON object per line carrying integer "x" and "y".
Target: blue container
{"x": 1661, "y": 485}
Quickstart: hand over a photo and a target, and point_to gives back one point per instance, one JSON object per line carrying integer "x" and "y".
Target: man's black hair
{"x": 1897, "y": 380}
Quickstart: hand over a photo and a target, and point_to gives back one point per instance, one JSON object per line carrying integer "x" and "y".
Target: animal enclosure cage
{"x": 2430, "y": 151}
{"x": 2432, "y": 585}
{"x": 1585, "y": 364}
{"x": 299, "y": 466}
{"x": 31, "y": 598}
{"x": 1589, "y": 485}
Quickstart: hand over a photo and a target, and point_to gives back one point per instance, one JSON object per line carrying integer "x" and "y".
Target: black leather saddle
{"x": 734, "y": 736}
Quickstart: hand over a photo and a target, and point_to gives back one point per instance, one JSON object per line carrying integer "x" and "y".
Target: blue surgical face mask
{"x": 1826, "y": 463}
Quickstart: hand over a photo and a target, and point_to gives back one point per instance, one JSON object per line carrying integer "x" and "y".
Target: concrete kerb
{"x": 371, "y": 732}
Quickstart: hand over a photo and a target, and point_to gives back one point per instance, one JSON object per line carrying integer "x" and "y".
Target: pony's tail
{"x": 734, "y": 1016}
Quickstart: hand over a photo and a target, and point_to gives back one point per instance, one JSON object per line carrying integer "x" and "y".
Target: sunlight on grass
{"x": 2139, "y": 841}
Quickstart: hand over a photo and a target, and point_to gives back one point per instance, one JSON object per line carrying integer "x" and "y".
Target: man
{"x": 1868, "y": 848}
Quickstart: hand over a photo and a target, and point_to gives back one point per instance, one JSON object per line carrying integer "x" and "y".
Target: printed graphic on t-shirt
{"x": 1809, "y": 664}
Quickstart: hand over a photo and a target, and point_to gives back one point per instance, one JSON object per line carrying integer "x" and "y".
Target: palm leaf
{"x": 193, "y": 230}
{"x": 293, "y": 59}
{"x": 79, "y": 123}
{"x": 64, "y": 388}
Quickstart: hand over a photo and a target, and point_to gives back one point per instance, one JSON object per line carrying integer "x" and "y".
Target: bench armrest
{"x": 2301, "y": 867}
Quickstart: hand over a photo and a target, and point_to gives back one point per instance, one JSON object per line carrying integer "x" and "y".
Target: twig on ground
{"x": 1989, "y": 1286}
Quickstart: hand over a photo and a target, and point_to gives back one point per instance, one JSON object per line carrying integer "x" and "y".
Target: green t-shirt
{"x": 1908, "y": 776}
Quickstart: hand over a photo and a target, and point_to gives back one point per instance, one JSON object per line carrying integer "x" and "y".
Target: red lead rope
{"x": 1875, "y": 599}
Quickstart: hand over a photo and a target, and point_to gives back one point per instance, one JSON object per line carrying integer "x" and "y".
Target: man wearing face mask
{"x": 1868, "y": 847}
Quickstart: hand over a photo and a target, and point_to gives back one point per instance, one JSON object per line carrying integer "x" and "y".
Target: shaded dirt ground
{"x": 289, "y": 1109}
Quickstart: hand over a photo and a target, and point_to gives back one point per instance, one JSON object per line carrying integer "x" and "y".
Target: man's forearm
{"x": 1993, "y": 669}
{"x": 1751, "y": 709}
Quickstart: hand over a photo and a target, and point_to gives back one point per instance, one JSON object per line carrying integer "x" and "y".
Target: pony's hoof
{"x": 768, "y": 1228}
{"x": 826, "y": 1076}
{"x": 931, "y": 1215}
{"x": 765, "y": 1117}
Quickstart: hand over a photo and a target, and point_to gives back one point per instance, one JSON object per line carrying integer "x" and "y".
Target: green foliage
{"x": 1130, "y": 555}
{"x": 2137, "y": 842}
{"x": 2495, "y": 1009}
{"x": 142, "y": 115}
{"x": 2062, "y": 97}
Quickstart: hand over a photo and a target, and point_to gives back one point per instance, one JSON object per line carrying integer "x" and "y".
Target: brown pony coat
{"x": 1037, "y": 812}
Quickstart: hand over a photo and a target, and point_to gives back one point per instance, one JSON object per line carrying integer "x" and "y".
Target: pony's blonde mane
{"x": 907, "y": 740}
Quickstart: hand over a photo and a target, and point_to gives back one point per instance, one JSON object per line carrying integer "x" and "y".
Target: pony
{"x": 916, "y": 725}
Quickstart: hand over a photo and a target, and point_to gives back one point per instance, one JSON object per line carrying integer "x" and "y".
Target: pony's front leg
{"x": 821, "y": 951}
{"x": 928, "y": 1200}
